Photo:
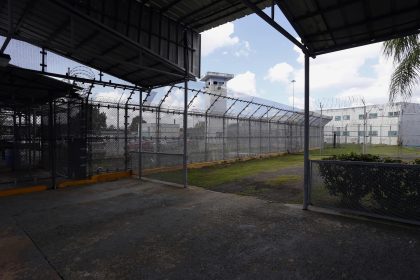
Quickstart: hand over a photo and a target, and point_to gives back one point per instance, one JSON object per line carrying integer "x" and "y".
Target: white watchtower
{"x": 216, "y": 83}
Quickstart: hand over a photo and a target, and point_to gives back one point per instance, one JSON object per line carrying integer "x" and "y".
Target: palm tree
{"x": 406, "y": 55}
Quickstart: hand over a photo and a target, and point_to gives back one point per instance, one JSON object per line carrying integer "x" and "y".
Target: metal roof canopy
{"x": 332, "y": 25}
{"x": 19, "y": 87}
{"x": 142, "y": 41}
{"x": 123, "y": 38}
{"x": 323, "y": 26}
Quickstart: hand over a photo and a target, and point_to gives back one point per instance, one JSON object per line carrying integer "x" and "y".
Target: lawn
{"x": 382, "y": 150}
{"x": 278, "y": 178}
{"x": 212, "y": 176}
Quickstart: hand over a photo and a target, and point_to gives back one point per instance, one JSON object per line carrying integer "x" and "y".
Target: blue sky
{"x": 265, "y": 62}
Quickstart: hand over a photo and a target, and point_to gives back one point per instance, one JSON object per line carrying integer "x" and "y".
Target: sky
{"x": 264, "y": 64}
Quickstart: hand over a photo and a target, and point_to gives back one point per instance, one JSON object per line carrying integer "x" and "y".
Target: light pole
{"x": 293, "y": 85}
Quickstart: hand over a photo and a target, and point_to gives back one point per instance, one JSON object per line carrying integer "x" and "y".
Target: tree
{"x": 95, "y": 117}
{"x": 135, "y": 123}
{"x": 406, "y": 56}
{"x": 98, "y": 119}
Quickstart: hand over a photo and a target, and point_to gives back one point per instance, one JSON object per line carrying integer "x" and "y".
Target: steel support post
{"x": 306, "y": 136}
{"x": 140, "y": 134}
{"x": 185, "y": 119}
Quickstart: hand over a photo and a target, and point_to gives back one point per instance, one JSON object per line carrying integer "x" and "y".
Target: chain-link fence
{"x": 390, "y": 190}
{"x": 91, "y": 136}
{"x": 104, "y": 129}
{"x": 391, "y": 129}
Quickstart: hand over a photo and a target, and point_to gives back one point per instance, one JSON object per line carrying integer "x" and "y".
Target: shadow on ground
{"x": 123, "y": 230}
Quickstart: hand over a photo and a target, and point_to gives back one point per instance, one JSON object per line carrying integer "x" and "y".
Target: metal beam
{"x": 170, "y": 5}
{"x": 14, "y": 29}
{"x": 219, "y": 17}
{"x": 88, "y": 81}
{"x": 274, "y": 24}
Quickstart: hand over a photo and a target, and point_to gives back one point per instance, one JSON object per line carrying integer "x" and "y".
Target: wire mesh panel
{"x": 385, "y": 189}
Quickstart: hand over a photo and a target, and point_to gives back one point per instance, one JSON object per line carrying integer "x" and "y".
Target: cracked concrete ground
{"x": 123, "y": 230}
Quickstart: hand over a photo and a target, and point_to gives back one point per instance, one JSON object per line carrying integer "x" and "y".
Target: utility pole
{"x": 293, "y": 86}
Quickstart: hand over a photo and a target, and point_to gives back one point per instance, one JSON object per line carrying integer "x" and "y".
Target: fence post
{"x": 223, "y": 137}
{"x": 51, "y": 127}
{"x": 205, "y": 137}
{"x": 126, "y": 136}
{"x": 237, "y": 137}
{"x": 118, "y": 129}
{"x": 249, "y": 137}
{"x": 157, "y": 136}
{"x": 260, "y": 136}
{"x": 140, "y": 136}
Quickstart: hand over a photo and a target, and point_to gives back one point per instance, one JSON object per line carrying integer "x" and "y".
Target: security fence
{"x": 75, "y": 138}
{"x": 387, "y": 190}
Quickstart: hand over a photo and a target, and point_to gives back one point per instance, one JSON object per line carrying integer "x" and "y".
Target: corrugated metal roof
{"x": 141, "y": 41}
{"x": 122, "y": 38}
{"x": 331, "y": 25}
{"x": 19, "y": 87}
{"x": 204, "y": 14}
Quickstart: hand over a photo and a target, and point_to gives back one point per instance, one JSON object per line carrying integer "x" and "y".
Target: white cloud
{"x": 343, "y": 72}
{"x": 281, "y": 72}
{"x": 244, "y": 83}
{"x": 338, "y": 69}
{"x": 244, "y": 49}
{"x": 218, "y": 37}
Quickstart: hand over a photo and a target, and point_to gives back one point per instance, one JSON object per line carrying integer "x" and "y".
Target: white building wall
{"x": 410, "y": 125}
{"x": 382, "y": 124}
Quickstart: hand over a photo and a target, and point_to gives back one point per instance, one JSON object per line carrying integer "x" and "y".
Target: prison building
{"x": 387, "y": 124}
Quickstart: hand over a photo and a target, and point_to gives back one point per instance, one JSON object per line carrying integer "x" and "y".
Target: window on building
{"x": 373, "y": 115}
{"x": 346, "y": 117}
{"x": 346, "y": 133}
{"x": 338, "y": 133}
{"x": 361, "y": 133}
{"x": 214, "y": 83}
{"x": 337, "y": 118}
{"x": 392, "y": 133}
{"x": 361, "y": 116}
{"x": 393, "y": 114}
{"x": 373, "y": 133}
